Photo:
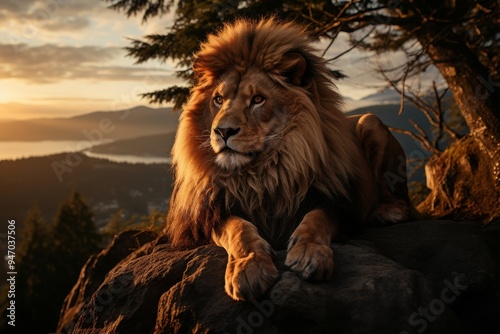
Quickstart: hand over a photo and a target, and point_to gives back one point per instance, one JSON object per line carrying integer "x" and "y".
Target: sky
{"x": 59, "y": 58}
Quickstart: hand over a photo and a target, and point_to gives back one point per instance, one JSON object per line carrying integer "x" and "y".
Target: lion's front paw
{"x": 247, "y": 278}
{"x": 311, "y": 260}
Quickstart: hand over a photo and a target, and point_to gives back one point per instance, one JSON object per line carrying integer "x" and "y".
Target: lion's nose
{"x": 225, "y": 133}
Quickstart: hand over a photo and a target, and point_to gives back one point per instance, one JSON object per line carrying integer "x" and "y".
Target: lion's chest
{"x": 273, "y": 196}
{"x": 275, "y": 213}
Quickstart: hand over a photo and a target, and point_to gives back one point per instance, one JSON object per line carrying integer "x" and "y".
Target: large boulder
{"x": 429, "y": 276}
{"x": 462, "y": 176}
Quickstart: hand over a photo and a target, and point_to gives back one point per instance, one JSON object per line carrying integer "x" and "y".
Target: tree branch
{"x": 355, "y": 45}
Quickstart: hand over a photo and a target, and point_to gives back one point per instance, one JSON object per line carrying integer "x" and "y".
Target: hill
{"x": 145, "y": 146}
{"x": 107, "y": 186}
{"x": 94, "y": 127}
{"x": 388, "y": 95}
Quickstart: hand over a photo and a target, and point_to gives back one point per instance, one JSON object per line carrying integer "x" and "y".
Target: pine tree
{"x": 50, "y": 258}
{"x": 34, "y": 269}
{"x": 115, "y": 225}
{"x": 75, "y": 238}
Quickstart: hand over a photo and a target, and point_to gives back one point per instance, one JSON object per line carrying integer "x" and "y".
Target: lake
{"x": 131, "y": 159}
{"x": 12, "y": 150}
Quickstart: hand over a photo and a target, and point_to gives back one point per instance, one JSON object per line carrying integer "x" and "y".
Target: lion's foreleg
{"x": 309, "y": 251}
{"x": 250, "y": 269}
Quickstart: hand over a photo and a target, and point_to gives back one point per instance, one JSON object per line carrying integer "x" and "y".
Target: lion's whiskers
{"x": 204, "y": 144}
{"x": 205, "y": 136}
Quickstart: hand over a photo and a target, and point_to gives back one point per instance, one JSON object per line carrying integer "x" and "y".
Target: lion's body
{"x": 263, "y": 139}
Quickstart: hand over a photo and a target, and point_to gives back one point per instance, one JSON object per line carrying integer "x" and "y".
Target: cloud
{"x": 58, "y": 107}
{"x": 362, "y": 68}
{"x": 71, "y": 23}
{"x": 52, "y": 63}
{"x": 50, "y": 15}
{"x": 16, "y": 6}
{"x": 357, "y": 65}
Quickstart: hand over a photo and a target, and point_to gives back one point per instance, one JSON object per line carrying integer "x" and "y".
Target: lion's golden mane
{"x": 315, "y": 164}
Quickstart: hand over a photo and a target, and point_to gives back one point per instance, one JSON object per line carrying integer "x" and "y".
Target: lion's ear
{"x": 293, "y": 66}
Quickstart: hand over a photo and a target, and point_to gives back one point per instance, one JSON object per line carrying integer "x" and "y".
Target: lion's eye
{"x": 257, "y": 100}
{"x": 218, "y": 100}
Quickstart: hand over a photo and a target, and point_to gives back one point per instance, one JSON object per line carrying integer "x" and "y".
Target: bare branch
{"x": 328, "y": 47}
{"x": 434, "y": 115}
{"x": 422, "y": 139}
{"x": 402, "y": 100}
{"x": 355, "y": 45}
{"x": 439, "y": 110}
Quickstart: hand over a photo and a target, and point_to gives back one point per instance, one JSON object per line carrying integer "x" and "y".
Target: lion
{"x": 264, "y": 158}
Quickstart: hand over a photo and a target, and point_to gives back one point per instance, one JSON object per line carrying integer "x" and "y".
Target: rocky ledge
{"x": 428, "y": 276}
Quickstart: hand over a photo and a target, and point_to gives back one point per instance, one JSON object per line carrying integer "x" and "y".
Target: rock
{"x": 432, "y": 276}
{"x": 462, "y": 176}
{"x": 96, "y": 268}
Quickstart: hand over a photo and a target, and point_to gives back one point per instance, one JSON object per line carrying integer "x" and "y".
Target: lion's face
{"x": 248, "y": 117}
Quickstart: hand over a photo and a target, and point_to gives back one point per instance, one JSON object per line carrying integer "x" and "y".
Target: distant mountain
{"x": 390, "y": 96}
{"x": 107, "y": 186}
{"x": 93, "y": 127}
{"x": 387, "y": 95}
{"x": 146, "y": 146}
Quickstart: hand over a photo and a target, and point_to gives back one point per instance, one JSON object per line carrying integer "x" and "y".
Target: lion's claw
{"x": 311, "y": 260}
{"x": 247, "y": 278}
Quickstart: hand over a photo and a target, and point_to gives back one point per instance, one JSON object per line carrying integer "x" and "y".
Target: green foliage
{"x": 108, "y": 184}
{"x": 150, "y": 8}
{"x": 75, "y": 236}
{"x": 117, "y": 224}
{"x": 175, "y": 94}
{"x": 33, "y": 265}
{"x": 50, "y": 257}
{"x": 156, "y": 221}
{"x": 49, "y": 261}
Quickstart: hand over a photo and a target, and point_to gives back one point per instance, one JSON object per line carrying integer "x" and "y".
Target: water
{"x": 131, "y": 159}
{"x": 12, "y": 150}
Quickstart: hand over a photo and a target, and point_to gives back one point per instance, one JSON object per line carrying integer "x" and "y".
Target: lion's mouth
{"x": 231, "y": 159}
{"x": 228, "y": 150}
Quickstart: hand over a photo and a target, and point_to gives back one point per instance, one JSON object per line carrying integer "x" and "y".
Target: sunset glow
{"x": 58, "y": 59}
